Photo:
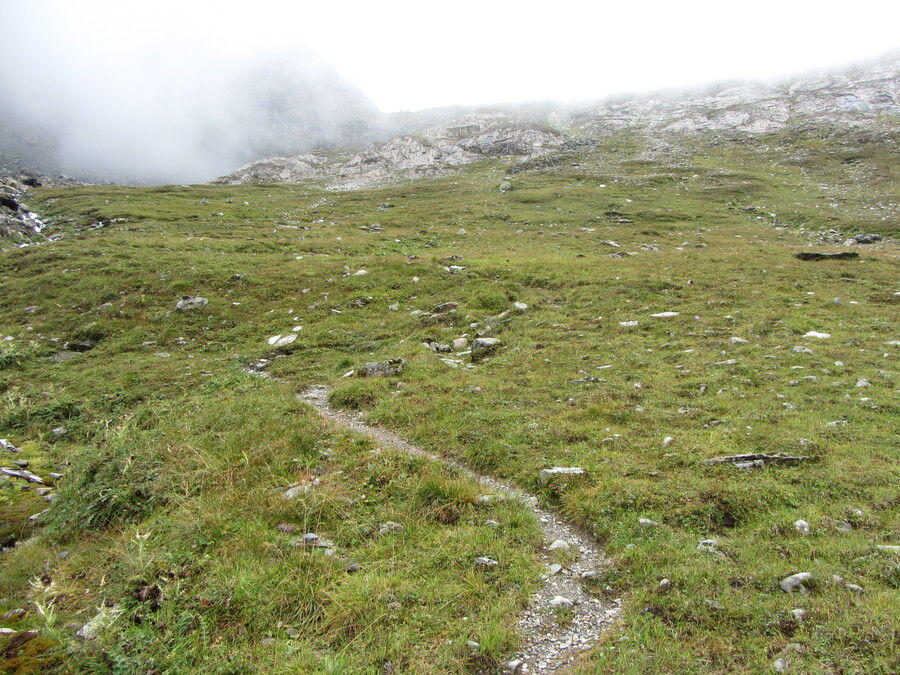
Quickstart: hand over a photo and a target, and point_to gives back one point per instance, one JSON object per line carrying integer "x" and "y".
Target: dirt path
{"x": 547, "y": 644}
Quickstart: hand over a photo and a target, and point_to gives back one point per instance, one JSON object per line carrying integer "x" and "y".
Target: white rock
{"x": 801, "y": 526}
{"x": 863, "y": 382}
{"x": 628, "y": 323}
{"x": 738, "y": 341}
{"x": 92, "y": 629}
{"x": 801, "y": 350}
{"x": 559, "y": 545}
{"x": 520, "y": 305}
{"x": 667, "y": 441}
{"x": 798, "y": 614}
{"x": 816, "y": 334}
{"x": 646, "y": 522}
{"x": 546, "y": 475}
{"x": 795, "y": 582}
{"x": 664, "y": 315}
{"x": 360, "y": 273}
{"x": 282, "y": 340}
{"x": 559, "y": 602}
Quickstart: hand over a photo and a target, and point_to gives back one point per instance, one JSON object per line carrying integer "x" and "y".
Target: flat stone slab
{"x": 811, "y": 255}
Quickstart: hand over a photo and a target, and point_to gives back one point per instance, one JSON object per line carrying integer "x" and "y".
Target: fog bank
{"x": 179, "y": 109}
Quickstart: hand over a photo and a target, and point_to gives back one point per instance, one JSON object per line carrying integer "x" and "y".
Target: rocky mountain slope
{"x": 858, "y": 97}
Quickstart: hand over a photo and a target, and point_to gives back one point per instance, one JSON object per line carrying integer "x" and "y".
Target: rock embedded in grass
{"x": 390, "y": 527}
{"x": 801, "y": 526}
{"x": 189, "y": 302}
{"x": 795, "y": 582}
{"x": 484, "y": 561}
{"x": 390, "y": 368}
{"x": 568, "y": 473}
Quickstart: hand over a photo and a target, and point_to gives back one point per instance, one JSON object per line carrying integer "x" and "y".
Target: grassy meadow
{"x": 171, "y": 520}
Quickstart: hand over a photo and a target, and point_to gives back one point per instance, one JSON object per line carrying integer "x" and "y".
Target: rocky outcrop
{"x": 540, "y": 136}
{"x": 17, "y": 224}
{"x": 436, "y": 152}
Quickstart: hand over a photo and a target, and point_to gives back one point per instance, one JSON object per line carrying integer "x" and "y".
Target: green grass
{"x": 173, "y": 456}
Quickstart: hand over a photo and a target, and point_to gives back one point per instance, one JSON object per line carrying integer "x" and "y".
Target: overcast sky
{"x": 408, "y": 55}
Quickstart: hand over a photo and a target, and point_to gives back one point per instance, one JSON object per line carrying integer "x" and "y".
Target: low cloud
{"x": 169, "y": 111}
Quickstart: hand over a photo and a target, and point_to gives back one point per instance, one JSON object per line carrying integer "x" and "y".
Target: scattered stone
{"x": 885, "y": 547}
{"x": 843, "y": 527}
{"x": 802, "y": 526}
{"x": 300, "y": 489}
{"x": 390, "y": 527}
{"x": 391, "y": 368}
{"x": 567, "y": 472}
{"x": 867, "y": 238}
{"x": 850, "y": 587}
{"x": 738, "y": 341}
{"x": 863, "y": 382}
{"x": 667, "y": 441}
{"x": 23, "y": 474}
{"x": 520, "y": 305}
{"x": 189, "y": 302}
{"x": 646, "y": 522}
{"x": 492, "y": 523}
{"x": 778, "y": 458}
{"x": 559, "y": 545}
{"x": 798, "y": 615}
{"x": 628, "y": 323}
{"x": 710, "y": 546}
{"x": 810, "y": 255}
{"x": 559, "y": 602}
{"x": 484, "y": 561}
{"x": 801, "y": 350}
{"x": 92, "y": 629}
{"x": 554, "y": 569}
{"x": 282, "y": 340}
{"x": 460, "y": 343}
{"x": 664, "y": 315}
{"x": 663, "y": 586}
{"x": 483, "y": 346}
{"x": 444, "y": 307}
{"x": 816, "y": 334}
{"x": 795, "y": 582}
{"x": 515, "y": 667}
{"x": 81, "y": 346}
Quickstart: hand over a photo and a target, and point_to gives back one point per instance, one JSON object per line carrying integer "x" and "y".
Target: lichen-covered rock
{"x": 391, "y": 368}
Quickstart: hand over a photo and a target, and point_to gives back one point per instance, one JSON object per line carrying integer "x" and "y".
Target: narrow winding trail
{"x": 547, "y": 643}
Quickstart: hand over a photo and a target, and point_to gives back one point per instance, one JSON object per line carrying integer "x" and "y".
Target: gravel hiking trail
{"x": 552, "y": 632}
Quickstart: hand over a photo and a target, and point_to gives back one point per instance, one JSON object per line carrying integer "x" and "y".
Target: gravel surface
{"x": 551, "y": 638}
